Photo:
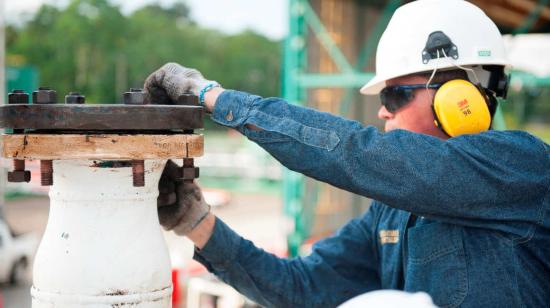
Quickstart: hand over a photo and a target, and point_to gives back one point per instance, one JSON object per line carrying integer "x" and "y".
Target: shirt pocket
{"x": 436, "y": 263}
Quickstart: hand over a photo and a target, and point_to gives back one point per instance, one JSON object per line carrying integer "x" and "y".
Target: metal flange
{"x": 101, "y": 117}
{"x": 133, "y": 131}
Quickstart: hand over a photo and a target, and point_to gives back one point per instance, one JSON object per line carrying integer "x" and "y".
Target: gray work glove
{"x": 180, "y": 205}
{"x": 169, "y": 82}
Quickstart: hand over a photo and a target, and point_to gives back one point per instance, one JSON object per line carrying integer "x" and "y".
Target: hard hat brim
{"x": 374, "y": 86}
{"x": 377, "y": 83}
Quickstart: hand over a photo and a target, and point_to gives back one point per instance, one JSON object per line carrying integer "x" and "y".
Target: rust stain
{"x": 116, "y": 292}
{"x": 24, "y": 142}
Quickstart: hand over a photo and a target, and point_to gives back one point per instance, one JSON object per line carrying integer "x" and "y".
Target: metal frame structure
{"x": 297, "y": 80}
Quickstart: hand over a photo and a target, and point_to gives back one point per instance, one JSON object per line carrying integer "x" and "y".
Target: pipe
{"x": 103, "y": 246}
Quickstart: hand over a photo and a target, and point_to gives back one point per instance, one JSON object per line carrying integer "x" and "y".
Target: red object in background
{"x": 176, "y": 292}
{"x": 1, "y": 301}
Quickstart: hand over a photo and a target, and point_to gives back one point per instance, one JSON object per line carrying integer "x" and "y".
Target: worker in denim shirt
{"x": 461, "y": 212}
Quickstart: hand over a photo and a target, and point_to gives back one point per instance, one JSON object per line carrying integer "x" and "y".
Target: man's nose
{"x": 384, "y": 114}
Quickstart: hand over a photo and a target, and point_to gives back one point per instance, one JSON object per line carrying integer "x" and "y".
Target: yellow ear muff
{"x": 461, "y": 108}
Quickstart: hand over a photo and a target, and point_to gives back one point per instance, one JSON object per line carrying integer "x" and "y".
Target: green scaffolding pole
{"x": 297, "y": 79}
{"x": 294, "y": 65}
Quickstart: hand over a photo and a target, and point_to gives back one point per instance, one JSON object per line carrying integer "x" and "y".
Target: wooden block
{"x": 101, "y": 147}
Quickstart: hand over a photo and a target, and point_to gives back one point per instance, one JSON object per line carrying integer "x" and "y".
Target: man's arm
{"x": 473, "y": 179}
{"x": 203, "y": 231}
{"x": 339, "y": 267}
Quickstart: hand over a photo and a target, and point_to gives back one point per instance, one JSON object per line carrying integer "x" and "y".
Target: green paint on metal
{"x": 295, "y": 63}
{"x": 334, "y": 80}
{"x": 21, "y": 77}
{"x": 523, "y": 79}
{"x": 527, "y": 79}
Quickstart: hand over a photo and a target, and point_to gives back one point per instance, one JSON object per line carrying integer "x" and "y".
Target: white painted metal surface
{"x": 103, "y": 245}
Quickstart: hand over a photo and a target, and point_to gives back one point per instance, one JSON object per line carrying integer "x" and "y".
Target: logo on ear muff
{"x": 460, "y": 108}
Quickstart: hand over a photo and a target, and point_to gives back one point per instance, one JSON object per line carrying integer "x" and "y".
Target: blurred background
{"x": 314, "y": 53}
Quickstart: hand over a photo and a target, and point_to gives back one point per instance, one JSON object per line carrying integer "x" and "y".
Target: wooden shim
{"x": 101, "y": 147}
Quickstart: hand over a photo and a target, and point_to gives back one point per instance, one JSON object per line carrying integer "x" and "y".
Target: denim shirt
{"x": 465, "y": 220}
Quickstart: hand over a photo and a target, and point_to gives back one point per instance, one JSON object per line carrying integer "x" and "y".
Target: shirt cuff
{"x": 221, "y": 249}
{"x": 232, "y": 107}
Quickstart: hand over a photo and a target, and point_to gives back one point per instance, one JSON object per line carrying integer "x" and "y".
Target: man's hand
{"x": 181, "y": 205}
{"x": 173, "y": 80}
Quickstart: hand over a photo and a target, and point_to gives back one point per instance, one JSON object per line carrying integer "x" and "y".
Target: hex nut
{"x": 189, "y": 173}
{"x": 188, "y": 99}
{"x": 75, "y": 98}
{"x": 44, "y": 95}
{"x": 18, "y": 97}
{"x": 134, "y": 97}
{"x": 19, "y": 176}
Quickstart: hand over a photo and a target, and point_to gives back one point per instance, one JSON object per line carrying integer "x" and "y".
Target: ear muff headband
{"x": 460, "y": 108}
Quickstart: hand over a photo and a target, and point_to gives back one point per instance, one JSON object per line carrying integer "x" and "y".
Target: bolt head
{"x": 19, "y": 176}
{"x": 44, "y": 95}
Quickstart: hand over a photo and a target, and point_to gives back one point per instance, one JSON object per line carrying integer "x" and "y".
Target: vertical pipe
{"x": 103, "y": 245}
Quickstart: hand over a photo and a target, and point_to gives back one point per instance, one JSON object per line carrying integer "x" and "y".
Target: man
{"x": 464, "y": 219}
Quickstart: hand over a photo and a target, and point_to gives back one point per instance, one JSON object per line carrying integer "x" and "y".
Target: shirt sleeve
{"x": 495, "y": 179}
{"x": 339, "y": 267}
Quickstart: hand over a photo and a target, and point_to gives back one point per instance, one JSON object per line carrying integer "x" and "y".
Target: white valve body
{"x": 103, "y": 245}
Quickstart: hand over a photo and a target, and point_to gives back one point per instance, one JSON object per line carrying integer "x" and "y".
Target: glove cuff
{"x": 211, "y": 85}
{"x": 193, "y": 218}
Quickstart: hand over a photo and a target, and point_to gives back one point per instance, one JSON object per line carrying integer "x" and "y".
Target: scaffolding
{"x": 323, "y": 36}
{"x": 324, "y": 65}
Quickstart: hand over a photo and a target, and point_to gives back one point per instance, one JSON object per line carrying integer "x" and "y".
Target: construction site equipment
{"x": 103, "y": 246}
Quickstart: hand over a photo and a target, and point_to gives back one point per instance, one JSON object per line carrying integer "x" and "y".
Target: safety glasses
{"x": 395, "y": 97}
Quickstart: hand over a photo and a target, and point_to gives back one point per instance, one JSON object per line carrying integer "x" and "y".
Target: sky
{"x": 268, "y": 17}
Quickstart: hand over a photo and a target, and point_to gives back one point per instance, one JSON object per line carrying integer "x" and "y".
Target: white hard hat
{"x": 390, "y": 299}
{"x": 459, "y": 31}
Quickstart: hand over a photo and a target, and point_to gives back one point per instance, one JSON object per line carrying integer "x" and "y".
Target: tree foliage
{"x": 91, "y": 47}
